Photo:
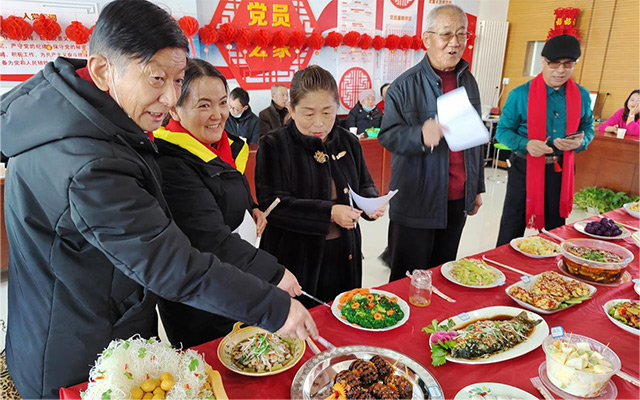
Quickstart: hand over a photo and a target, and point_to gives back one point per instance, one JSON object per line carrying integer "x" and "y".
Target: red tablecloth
{"x": 587, "y": 319}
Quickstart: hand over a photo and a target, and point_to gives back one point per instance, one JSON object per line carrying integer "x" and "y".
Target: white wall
{"x": 493, "y": 10}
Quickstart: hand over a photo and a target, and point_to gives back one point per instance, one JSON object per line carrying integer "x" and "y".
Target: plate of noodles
{"x": 255, "y": 351}
{"x": 535, "y": 247}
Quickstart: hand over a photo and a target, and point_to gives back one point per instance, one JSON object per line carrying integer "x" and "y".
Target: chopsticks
{"x": 315, "y": 299}
{"x": 628, "y": 378}
{"x": 556, "y": 237}
{"x": 506, "y": 266}
{"x": 314, "y": 347}
{"x": 444, "y": 296}
{"x": 537, "y": 383}
{"x": 635, "y": 228}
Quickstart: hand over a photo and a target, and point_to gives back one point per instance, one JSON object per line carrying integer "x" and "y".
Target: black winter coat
{"x": 247, "y": 126}
{"x": 208, "y": 199}
{"x": 360, "y": 118}
{"x": 92, "y": 242}
{"x": 422, "y": 176}
{"x": 288, "y": 167}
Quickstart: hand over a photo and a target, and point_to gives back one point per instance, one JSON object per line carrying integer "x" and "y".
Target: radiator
{"x": 488, "y": 59}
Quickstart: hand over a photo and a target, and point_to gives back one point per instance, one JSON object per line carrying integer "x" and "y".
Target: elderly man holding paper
{"x": 437, "y": 187}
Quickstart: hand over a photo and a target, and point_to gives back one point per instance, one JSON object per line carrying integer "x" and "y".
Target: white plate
{"x": 403, "y": 306}
{"x": 534, "y": 279}
{"x": 636, "y": 238}
{"x": 514, "y": 244}
{"x": 448, "y": 266}
{"x": 580, "y": 225}
{"x": 495, "y": 389}
{"x": 636, "y": 287}
{"x": 620, "y": 325}
{"x": 630, "y": 211}
{"x": 540, "y": 332}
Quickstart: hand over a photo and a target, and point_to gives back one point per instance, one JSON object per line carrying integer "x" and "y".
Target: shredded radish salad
{"x": 262, "y": 352}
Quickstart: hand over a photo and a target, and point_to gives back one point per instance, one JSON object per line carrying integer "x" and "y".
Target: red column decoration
{"x": 46, "y": 27}
{"x": 16, "y": 28}
{"x": 77, "y": 32}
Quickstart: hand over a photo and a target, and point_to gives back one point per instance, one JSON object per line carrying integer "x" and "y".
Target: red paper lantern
{"x": 243, "y": 37}
{"x": 226, "y": 33}
{"x": 392, "y": 42}
{"x": 279, "y": 39}
{"x": 296, "y": 40}
{"x": 351, "y": 39}
{"x": 16, "y": 28}
{"x": 77, "y": 32}
{"x": 261, "y": 38}
{"x": 405, "y": 42}
{"x": 189, "y": 25}
{"x": 378, "y": 42}
{"x": 315, "y": 41}
{"x": 416, "y": 42}
{"x": 365, "y": 42}
{"x": 333, "y": 39}
{"x": 46, "y": 27}
{"x": 208, "y": 35}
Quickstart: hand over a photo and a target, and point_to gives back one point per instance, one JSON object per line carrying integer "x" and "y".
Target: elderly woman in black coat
{"x": 203, "y": 182}
{"x": 365, "y": 114}
{"x": 310, "y": 163}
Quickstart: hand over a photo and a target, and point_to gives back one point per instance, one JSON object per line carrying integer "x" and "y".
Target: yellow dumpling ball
{"x": 167, "y": 384}
{"x": 137, "y": 393}
{"x": 166, "y": 377}
{"x": 148, "y": 385}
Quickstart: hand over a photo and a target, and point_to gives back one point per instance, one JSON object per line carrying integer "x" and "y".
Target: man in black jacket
{"x": 437, "y": 187}
{"x": 274, "y": 116}
{"x": 92, "y": 241}
{"x": 242, "y": 122}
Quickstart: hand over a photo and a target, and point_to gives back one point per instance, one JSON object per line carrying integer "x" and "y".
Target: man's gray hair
{"x": 433, "y": 15}
{"x": 274, "y": 88}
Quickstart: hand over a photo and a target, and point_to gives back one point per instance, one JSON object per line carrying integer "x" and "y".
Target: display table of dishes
{"x": 587, "y": 318}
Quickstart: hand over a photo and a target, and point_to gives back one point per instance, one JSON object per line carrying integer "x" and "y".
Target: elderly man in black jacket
{"x": 92, "y": 241}
{"x": 277, "y": 114}
{"x": 438, "y": 187}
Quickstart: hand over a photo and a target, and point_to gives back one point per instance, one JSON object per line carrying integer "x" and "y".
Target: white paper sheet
{"x": 369, "y": 205}
{"x": 466, "y": 129}
{"x": 247, "y": 229}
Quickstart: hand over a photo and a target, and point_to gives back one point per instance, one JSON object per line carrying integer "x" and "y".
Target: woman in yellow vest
{"x": 203, "y": 182}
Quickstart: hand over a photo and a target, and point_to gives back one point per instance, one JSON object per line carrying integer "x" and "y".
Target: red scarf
{"x": 537, "y": 130}
{"x": 222, "y": 149}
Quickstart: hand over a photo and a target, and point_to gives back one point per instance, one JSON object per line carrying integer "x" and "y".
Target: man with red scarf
{"x": 538, "y": 123}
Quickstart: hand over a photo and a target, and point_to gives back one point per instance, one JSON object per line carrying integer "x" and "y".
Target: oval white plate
{"x": 636, "y": 238}
{"x": 448, "y": 266}
{"x": 580, "y": 228}
{"x": 620, "y": 325}
{"x": 514, "y": 244}
{"x": 496, "y": 389}
{"x": 630, "y": 211}
{"x": 592, "y": 290}
{"x": 540, "y": 332}
{"x": 636, "y": 287}
{"x": 403, "y": 306}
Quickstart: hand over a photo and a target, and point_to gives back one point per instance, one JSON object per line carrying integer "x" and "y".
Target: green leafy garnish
{"x": 106, "y": 395}
{"x": 142, "y": 352}
{"x": 439, "y": 350}
{"x": 193, "y": 364}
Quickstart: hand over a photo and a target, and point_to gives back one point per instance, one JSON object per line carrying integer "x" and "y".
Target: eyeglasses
{"x": 447, "y": 36}
{"x": 556, "y": 64}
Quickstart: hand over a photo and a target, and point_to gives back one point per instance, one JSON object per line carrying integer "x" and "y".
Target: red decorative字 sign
{"x": 262, "y": 54}
{"x": 352, "y": 82}
{"x": 402, "y": 3}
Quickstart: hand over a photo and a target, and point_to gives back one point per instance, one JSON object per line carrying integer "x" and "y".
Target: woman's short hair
{"x": 197, "y": 68}
{"x": 135, "y": 29}
{"x": 312, "y": 79}
{"x": 625, "y": 113}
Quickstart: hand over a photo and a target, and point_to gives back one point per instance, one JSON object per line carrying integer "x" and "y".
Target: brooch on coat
{"x": 321, "y": 157}
{"x": 339, "y": 156}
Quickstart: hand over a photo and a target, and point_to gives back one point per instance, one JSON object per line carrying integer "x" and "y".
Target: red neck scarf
{"x": 537, "y": 130}
{"x": 222, "y": 149}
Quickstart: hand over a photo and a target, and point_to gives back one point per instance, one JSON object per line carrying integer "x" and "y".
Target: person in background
{"x": 437, "y": 187}
{"x": 383, "y": 93}
{"x": 364, "y": 114}
{"x": 243, "y": 121}
{"x": 538, "y": 123}
{"x": 202, "y": 179}
{"x": 92, "y": 242}
{"x": 310, "y": 164}
{"x": 277, "y": 113}
{"x": 626, "y": 117}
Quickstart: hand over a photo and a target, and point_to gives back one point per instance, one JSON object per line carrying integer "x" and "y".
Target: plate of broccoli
{"x": 370, "y": 309}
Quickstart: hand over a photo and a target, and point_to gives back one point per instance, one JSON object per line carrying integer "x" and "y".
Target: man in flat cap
{"x": 544, "y": 122}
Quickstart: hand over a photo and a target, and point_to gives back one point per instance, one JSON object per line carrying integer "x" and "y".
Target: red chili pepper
{"x": 186, "y": 386}
{"x": 126, "y": 367}
{"x": 196, "y": 374}
{"x": 147, "y": 376}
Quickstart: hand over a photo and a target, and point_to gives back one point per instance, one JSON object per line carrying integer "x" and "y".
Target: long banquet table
{"x": 587, "y": 319}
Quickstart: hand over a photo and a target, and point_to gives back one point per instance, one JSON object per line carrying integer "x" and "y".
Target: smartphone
{"x": 569, "y": 136}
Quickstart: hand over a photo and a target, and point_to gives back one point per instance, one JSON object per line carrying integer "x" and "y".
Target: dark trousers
{"x": 513, "y": 221}
{"x": 414, "y": 248}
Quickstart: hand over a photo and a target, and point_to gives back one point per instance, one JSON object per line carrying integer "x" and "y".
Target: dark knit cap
{"x": 561, "y": 46}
